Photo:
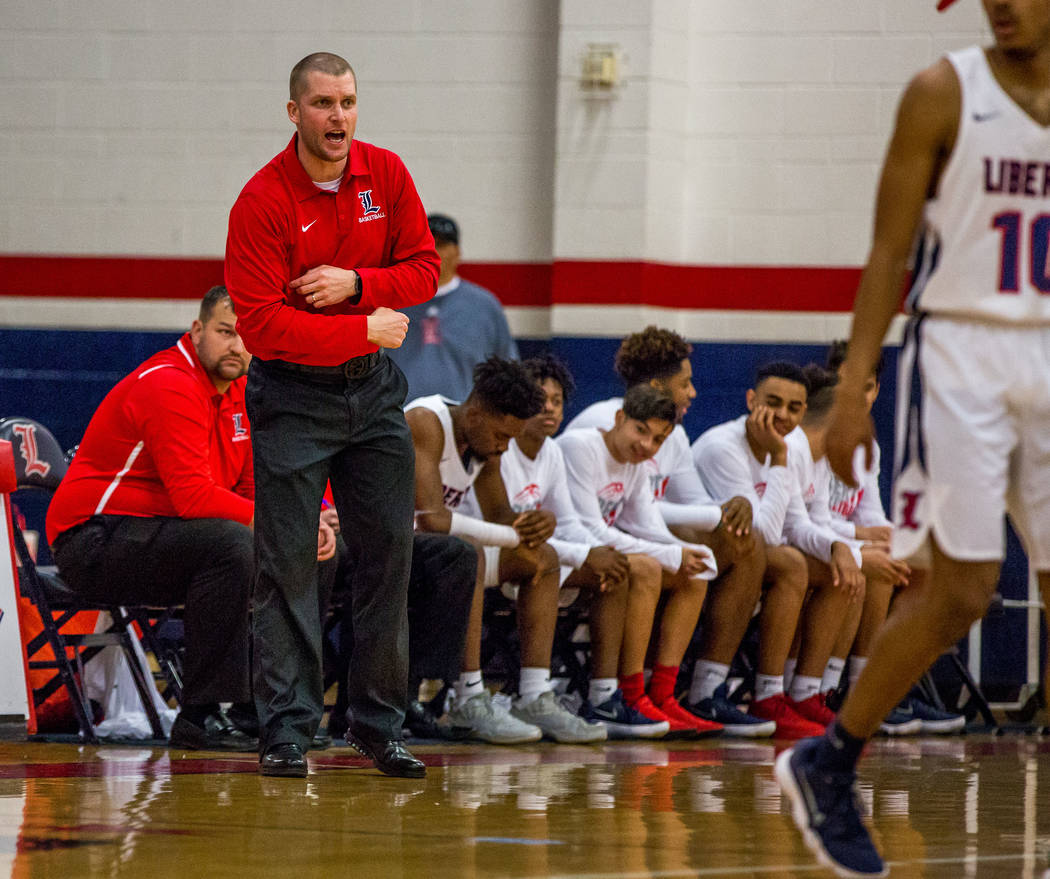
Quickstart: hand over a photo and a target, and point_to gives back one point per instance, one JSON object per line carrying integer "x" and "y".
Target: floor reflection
{"x": 960, "y": 807}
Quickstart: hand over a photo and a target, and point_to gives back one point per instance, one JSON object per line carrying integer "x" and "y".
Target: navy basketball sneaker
{"x": 825, "y": 808}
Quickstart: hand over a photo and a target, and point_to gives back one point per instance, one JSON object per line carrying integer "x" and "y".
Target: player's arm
{"x": 492, "y": 494}
{"x": 533, "y": 527}
{"x": 428, "y": 440}
{"x": 927, "y": 120}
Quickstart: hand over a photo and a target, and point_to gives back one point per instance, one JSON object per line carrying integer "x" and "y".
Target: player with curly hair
{"x": 661, "y": 358}
{"x": 458, "y": 447}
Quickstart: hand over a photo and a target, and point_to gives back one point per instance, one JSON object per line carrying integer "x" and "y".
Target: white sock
{"x": 601, "y": 689}
{"x": 789, "y": 672}
{"x": 832, "y": 674}
{"x": 768, "y": 685}
{"x": 533, "y": 682}
{"x": 707, "y": 677}
{"x": 470, "y": 684}
{"x": 856, "y": 666}
{"x": 802, "y": 687}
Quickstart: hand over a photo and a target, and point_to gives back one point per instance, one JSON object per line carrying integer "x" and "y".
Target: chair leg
{"x": 122, "y": 625}
{"x": 168, "y": 666}
{"x": 983, "y": 708}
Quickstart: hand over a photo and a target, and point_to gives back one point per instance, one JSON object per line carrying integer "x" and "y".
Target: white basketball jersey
{"x": 983, "y": 252}
{"x": 455, "y": 478}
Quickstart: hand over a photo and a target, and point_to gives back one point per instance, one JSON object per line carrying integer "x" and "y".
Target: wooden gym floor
{"x": 969, "y": 806}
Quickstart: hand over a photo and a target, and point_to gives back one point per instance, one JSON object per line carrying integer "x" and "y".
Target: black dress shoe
{"x": 422, "y": 724}
{"x": 390, "y": 757}
{"x": 216, "y": 733}
{"x": 284, "y": 760}
{"x": 243, "y": 716}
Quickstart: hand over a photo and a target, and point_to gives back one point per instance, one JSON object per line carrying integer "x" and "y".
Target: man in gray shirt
{"x": 460, "y": 327}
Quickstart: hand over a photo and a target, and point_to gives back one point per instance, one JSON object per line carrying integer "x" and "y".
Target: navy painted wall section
{"x": 59, "y": 377}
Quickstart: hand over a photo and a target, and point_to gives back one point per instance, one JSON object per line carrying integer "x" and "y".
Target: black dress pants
{"x": 440, "y": 591}
{"x": 306, "y": 431}
{"x": 204, "y": 564}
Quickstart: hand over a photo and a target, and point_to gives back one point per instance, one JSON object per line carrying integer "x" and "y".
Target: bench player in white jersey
{"x": 613, "y": 497}
{"x": 858, "y": 509}
{"x": 661, "y": 358}
{"x": 534, "y": 477}
{"x": 457, "y": 446}
{"x": 882, "y": 574}
{"x": 967, "y": 173}
{"x": 748, "y": 456}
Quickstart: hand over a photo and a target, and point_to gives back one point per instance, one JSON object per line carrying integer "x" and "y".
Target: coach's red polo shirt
{"x": 164, "y": 442}
{"x": 282, "y": 225}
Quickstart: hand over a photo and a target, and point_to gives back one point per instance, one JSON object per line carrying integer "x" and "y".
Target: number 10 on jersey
{"x": 1009, "y": 224}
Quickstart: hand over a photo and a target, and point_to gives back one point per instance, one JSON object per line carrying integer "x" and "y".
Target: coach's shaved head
{"x": 322, "y": 62}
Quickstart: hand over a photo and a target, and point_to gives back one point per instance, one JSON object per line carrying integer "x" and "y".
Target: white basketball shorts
{"x": 490, "y": 559}
{"x": 973, "y": 439}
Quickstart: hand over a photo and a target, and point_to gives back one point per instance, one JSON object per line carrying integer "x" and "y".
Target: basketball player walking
{"x": 967, "y": 175}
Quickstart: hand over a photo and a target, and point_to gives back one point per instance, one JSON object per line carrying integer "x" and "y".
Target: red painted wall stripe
{"x": 566, "y": 282}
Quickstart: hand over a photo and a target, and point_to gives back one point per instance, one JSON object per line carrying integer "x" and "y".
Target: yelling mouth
{"x": 335, "y": 136}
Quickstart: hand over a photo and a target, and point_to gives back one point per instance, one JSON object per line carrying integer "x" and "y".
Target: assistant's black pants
{"x": 440, "y": 590}
{"x": 305, "y": 431}
{"x": 204, "y": 564}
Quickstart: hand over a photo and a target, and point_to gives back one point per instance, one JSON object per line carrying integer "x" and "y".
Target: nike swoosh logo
{"x": 984, "y": 117}
{"x": 308, "y": 225}
{"x": 606, "y": 715}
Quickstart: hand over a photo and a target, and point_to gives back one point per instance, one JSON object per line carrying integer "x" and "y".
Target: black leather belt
{"x": 354, "y": 368}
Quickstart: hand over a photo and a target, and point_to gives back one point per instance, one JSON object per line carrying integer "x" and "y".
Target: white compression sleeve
{"x": 485, "y": 533}
{"x": 703, "y": 516}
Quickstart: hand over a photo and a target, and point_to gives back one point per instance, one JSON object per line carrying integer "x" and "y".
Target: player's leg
{"x": 950, "y": 492}
{"x": 537, "y": 704}
{"x": 536, "y": 572}
{"x": 1029, "y": 499}
{"x": 923, "y": 624}
{"x": 473, "y": 708}
{"x": 730, "y": 605}
{"x": 681, "y": 611}
{"x": 731, "y": 602}
{"x": 1044, "y": 591}
{"x": 642, "y": 601}
{"x": 828, "y": 608}
{"x": 787, "y": 577}
{"x": 605, "y": 702}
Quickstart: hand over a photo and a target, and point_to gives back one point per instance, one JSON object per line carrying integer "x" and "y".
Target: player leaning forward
{"x": 966, "y": 173}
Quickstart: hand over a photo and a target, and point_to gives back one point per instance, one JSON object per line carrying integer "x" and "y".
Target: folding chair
{"x": 39, "y": 467}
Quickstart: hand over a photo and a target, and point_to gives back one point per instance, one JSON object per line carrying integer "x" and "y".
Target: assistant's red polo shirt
{"x": 164, "y": 442}
{"x": 282, "y": 225}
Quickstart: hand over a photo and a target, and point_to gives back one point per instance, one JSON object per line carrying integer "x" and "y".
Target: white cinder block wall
{"x": 130, "y": 127}
{"x": 746, "y": 132}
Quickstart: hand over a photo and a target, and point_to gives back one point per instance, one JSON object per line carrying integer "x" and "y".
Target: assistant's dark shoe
{"x": 337, "y": 725}
{"x": 321, "y": 741}
{"x": 390, "y": 757}
{"x": 243, "y": 716}
{"x": 215, "y": 733}
{"x": 422, "y": 724}
{"x": 285, "y": 760}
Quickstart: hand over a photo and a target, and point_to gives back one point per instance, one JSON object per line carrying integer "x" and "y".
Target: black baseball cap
{"x": 443, "y": 228}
